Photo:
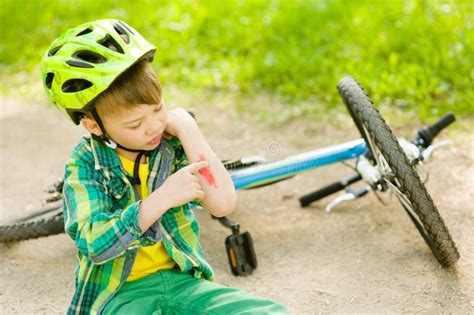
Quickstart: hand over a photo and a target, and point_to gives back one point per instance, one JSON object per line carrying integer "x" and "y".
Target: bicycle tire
{"x": 43, "y": 222}
{"x": 376, "y": 131}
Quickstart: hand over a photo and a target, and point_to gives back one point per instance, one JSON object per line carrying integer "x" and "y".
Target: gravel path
{"x": 363, "y": 257}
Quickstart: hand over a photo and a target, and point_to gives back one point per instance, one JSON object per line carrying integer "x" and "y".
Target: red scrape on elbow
{"x": 206, "y": 173}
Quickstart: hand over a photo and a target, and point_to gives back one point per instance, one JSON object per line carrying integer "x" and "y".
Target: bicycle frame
{"x": 270, "y": 172}
{"x": 239, "y": 246}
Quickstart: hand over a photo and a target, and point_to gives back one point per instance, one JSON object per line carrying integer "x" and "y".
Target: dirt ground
{"x": 363, "y": 257}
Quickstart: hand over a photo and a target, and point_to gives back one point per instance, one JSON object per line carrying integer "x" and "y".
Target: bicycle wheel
{"x": 397, "y": 171}
{"x": 42, "y": 222}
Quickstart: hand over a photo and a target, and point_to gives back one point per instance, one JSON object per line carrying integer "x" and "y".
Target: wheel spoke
{"x": 403, "y": 199}
{"x": 382, "y": 164}
{"x": 388, "y": 176}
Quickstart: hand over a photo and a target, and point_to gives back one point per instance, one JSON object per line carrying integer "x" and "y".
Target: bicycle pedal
{"x": 241, "y": 253}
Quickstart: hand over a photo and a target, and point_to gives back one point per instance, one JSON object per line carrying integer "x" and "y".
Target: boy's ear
{"x": 91, "y": 126}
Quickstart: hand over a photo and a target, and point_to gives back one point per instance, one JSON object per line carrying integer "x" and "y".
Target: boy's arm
{"x": 220, "y": 196}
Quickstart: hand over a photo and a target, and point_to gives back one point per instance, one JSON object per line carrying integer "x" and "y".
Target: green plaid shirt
{"x": 101, "y": 216}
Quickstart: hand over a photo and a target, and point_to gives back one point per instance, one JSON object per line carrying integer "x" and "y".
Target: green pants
{"x": 173, "y": 292}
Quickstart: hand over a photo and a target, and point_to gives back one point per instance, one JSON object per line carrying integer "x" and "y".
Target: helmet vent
{"x": 123, "y": 34}
{"x": 89, "y": 56}
{"x": 54, "y": 50}
{"x": 79, "y": 64}
{"x": 127, "y": 27}
{"x": 75, "y": 85}
{"x": 49, "y": 79}
{"x": 84, "y": 32}
{"x": 111, "y": 43}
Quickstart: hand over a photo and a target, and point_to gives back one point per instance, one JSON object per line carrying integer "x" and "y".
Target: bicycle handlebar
{"x": 328, "y": 190}
{"x": 426, "y": 135}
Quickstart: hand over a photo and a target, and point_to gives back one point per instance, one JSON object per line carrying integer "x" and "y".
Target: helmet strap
{"x": 112, "y": 144}
{"x": 105, "y": 138}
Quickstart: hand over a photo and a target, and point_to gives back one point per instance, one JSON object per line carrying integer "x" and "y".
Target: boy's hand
{"x": 179, "y": 120}
{"x": 184, "y": 186}
{"x": 178, "y": 189}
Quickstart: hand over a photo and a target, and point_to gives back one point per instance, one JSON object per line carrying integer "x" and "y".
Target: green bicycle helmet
{"x": 85, "y": 60}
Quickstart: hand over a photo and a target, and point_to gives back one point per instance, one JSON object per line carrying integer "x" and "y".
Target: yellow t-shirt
{"x": 149, "y": 259}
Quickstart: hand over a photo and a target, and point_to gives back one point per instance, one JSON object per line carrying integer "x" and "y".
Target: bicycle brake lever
{"x": 338, "y": 200}
{"x": 350, "y": 195}
{"x": 429, "y": 150}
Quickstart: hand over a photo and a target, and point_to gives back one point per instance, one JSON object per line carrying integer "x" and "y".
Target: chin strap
{"x": 112, "y": 144}
{"x": 105, "y": 138}
{"x": 136, "y": 166}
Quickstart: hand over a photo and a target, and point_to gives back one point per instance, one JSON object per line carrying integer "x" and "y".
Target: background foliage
{"x": 415, "y": 55}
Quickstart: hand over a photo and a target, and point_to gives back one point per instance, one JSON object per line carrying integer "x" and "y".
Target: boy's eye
{"x": 136, "y": 126}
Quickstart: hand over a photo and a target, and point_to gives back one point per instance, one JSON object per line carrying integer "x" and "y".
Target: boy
{"x": 129, "y": 185}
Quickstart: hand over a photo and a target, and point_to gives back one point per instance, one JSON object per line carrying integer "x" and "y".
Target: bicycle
{"x": 382, "y": 161}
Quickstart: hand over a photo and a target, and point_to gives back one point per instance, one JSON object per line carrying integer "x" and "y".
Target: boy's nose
{"x": 153, "y": 127}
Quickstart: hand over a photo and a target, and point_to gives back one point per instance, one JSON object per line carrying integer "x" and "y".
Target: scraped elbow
{"x": 227, "y": 206}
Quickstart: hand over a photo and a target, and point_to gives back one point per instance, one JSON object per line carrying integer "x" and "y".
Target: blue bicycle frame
{"x": 270, "y": 172}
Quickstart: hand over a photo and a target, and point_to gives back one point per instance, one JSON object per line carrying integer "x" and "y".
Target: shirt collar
{"x": 104, "y": 156}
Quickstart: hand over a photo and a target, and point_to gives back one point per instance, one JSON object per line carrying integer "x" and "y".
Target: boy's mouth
{"x": 155, "y": 140}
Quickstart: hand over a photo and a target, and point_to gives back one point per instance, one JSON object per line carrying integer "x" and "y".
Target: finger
{"x": 188, "y": 169}
{"x": 190, "y": 177}
{"x": 199, "y": 165}
{"x": 193, "y": 168}
{"x": 200, "y": 195}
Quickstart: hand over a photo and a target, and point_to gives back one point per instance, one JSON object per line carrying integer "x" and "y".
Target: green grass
{"x": 413, "y": 55}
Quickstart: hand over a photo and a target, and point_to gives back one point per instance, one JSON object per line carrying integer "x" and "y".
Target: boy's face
{"x": 139, "y": 127}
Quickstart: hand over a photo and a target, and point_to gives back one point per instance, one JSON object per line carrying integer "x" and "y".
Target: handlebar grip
{"x": 328, "y": 190}
{"x": 426, "y": 135}
{"x": 441, "y": 124}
